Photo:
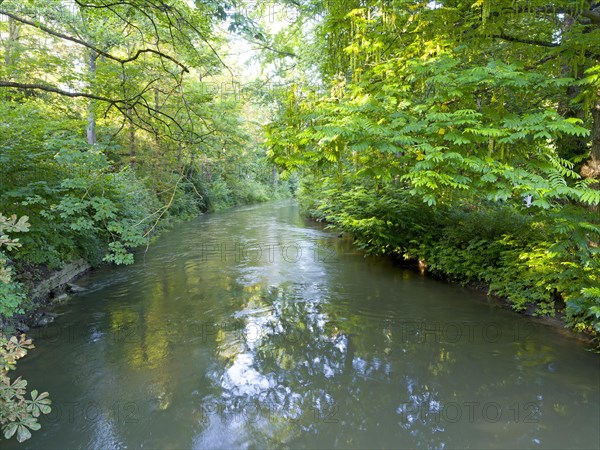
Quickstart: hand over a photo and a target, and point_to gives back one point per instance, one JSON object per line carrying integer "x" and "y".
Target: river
{"x": 255, "y": 328}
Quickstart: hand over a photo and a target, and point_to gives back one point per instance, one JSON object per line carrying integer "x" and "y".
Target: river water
{"x": 256, "y": 328}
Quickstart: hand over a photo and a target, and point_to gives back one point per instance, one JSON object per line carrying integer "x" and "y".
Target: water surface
{"x": 256, "y": 328}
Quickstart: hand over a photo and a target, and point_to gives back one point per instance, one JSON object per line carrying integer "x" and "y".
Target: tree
{"x": 461, "y": 105}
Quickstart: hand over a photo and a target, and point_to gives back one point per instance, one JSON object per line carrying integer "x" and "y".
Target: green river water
{"x": 256, "y": 328}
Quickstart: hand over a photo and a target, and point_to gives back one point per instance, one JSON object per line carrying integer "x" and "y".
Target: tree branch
{"x": 55, "y": 90}
{"x": 173, "y": 23}
{"x": 505, "y": 37}
{"x": 274, "y": 50}
{"x": 119, "y": 104}
{"x": 592, "y": 14}
{"x": 90, "y": 46}
{"x": 542, "y": 61}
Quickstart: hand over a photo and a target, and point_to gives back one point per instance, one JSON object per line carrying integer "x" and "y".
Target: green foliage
{"x": 80, "y": 200}
{"x": 537, "y": 259}
{"x": 12, "y": 298}
{"x": 11, "y": 293}
{"x": 220, "y": 195}
{"x": 454, "y": 134}
{"x": 18, "y": 414}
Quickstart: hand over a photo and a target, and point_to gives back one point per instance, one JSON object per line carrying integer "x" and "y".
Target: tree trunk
{"x": 132, "y": 156}
{"x": 91, "y": 128}
{"x": 595, "y": 156}
{"x": 591, "y": 169}
{"x": 570, "y": 147}
{"x": 11, "y": 42}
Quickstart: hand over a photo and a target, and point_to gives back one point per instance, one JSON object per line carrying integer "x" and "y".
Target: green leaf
{"x": 10, "y": 430}
{"x": 23, "y": 433}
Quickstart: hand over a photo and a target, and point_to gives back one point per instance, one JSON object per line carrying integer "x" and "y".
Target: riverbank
{"x": 525, "y": 259}
{"x": 46, "y": 288}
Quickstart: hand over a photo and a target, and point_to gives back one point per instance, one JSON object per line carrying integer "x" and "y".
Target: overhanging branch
{"x": 508, "y": 38}
{"x": 83, "y": 43}
{"x": 173, "y": 16}
{"x": 120, "y": 105}
{"x": 55, "y": 90}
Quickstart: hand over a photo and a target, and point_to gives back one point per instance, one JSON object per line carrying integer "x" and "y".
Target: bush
{"x": 11, "y": 293}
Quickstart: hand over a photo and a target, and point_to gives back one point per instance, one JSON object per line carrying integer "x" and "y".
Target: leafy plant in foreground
{"x": 18, "y": 414}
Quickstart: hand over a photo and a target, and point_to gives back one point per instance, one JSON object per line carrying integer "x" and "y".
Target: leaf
{"x": 19, "y": 383}
{"x": 23, "y": 433}
{"x": 10, "y": 429}
{"x": 22, "y": 225}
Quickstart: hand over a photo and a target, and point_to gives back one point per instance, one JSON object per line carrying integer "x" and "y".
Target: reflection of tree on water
{"x": 293, "y": 370}
{"x": 272, "y": 347}
{"x": 293, "y": 365}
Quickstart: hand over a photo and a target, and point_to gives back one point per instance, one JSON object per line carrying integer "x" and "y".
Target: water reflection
{"x": 292, "y": 367}
{"x": 279, "y": 342}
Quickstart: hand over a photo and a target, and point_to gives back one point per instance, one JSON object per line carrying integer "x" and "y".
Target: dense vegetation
{"x": 111, "y": 127}
{"x": 465, "y": 135}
